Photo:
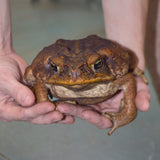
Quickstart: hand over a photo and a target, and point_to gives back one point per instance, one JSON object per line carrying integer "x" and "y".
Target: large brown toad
{"x": 87, "y": 71}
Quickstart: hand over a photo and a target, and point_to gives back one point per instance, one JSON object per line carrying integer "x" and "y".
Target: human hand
{"x": 17, "y": 100}
{"x": 93, "y": 114}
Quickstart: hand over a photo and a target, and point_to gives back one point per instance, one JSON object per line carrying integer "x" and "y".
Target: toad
{"x": 87, "y": 71}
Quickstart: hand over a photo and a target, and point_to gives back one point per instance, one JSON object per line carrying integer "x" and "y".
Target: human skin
{"x": 125, "y": 22}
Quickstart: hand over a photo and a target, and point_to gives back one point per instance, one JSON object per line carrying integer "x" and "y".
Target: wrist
{"x": 125, "y": 22}
{"x": 6, "y": 48}
{"x": 137, "y": 49}
{"x": 5, "y": 28}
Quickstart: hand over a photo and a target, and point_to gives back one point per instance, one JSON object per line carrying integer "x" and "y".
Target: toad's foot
{"x": 138, "y": 72}
{"x": 119, "y": 119}
{"x": 128, "y": 110}
{"x": 114, "y": 117}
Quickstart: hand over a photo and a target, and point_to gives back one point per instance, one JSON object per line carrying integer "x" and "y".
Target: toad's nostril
{"x": 74, "y": 74}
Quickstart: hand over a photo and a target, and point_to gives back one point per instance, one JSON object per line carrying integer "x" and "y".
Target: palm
{"x": 10, "y": 70}
{"x": 110, "y": 105}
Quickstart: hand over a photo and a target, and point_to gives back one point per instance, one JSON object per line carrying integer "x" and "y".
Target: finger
{"x": 13, "y": 112}
{"x": 96, "y": 119}
{"x": 143, "y": 96}
{"x": 21, "y": 93}
{"x": 143, "y": 100}
{"x": 49, "y": 118}
{"x": 105, "y": 107}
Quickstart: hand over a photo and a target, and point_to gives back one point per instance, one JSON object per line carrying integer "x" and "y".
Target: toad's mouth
{"x": 80, "y": 81}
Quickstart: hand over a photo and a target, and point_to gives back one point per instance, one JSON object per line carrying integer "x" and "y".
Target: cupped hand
{"x": 17, "y": 100}
{"x": 93, "y": 114}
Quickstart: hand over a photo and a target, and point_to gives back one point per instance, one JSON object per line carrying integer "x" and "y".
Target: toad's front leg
{"x": 41, "y": 92}
{"x": 128, "y": 110}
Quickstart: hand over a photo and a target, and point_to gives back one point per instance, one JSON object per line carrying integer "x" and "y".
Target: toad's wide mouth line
{"x": 80, "y": 81}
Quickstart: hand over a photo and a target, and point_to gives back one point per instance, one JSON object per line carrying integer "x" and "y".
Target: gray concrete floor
{"x": 36, "y": 26}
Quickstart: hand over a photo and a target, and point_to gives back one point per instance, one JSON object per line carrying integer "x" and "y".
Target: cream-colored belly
{"x": 98, "y": 92}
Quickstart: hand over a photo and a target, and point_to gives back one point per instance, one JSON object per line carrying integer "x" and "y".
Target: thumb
{"x": 21, "y": 93}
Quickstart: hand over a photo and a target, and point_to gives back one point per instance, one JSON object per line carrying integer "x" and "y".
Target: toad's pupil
{"x": 98, "y": 64}
{"x": 54, "y": 67}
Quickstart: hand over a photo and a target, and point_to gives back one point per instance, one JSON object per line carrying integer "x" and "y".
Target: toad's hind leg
{"x": 128, "y": 109}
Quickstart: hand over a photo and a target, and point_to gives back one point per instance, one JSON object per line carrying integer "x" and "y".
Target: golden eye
{"x": 54, "y": 66}
{"x": 98, "y": 64}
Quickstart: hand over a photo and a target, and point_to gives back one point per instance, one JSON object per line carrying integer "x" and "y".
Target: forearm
{"x": 125, "y": 22}
{"x": 5, "y": 28}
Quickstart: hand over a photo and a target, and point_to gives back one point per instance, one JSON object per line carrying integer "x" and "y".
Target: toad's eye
{"x": 98, "y": 64}
{"x": 54, "y": 66}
